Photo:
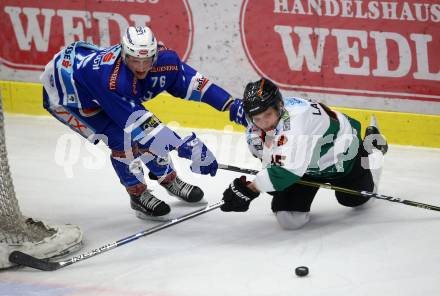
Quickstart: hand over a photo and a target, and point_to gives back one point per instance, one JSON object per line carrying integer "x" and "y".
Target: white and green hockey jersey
{"x": 310, "y": 139}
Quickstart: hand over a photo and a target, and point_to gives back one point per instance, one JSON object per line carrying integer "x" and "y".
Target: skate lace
{"x": 148, "y": 200}
{"x": 179, "y": 187}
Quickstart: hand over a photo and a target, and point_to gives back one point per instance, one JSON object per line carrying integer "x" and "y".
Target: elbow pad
{"x": 148, "y": 130}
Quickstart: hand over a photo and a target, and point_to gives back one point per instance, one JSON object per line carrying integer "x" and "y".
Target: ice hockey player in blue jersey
{"x": 98, "y": 92}
{"x": 296, "y": 138}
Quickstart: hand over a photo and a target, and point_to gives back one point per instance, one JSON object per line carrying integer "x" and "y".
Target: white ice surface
{"x": 384, "y": 249}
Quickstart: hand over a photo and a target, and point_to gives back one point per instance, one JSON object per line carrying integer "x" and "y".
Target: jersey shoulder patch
{"x": 291, "y": 101}
{"x": 296, "y": 106}
{"x": 106, "y": 58}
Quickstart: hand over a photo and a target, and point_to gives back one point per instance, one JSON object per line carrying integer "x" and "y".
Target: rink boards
{"x": 400, "y": 128}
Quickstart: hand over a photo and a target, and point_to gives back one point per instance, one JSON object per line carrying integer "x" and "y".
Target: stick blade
{"x": 24, "y": 259}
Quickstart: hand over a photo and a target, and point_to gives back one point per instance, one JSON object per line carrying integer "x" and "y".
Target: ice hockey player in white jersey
{"x": 300, "y": 139}
{"x": 98, "y": 92}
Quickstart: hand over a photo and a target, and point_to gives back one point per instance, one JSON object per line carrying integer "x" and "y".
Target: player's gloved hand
{"x": 203, "y": 161}
{"x": 238, "y": 196}
{"x": 236, "y": 112}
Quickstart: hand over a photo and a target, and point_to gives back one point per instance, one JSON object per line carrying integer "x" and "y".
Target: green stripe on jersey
{"x": 332, "y": 172}
{"x": 323, "y": 145}
{"x": 332, "y": 132}
{"x": 281, "y": 178}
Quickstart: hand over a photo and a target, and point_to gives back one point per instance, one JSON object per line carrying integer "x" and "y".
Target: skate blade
{"x": 163, "y": 218}
{"x": 202, "y": 202}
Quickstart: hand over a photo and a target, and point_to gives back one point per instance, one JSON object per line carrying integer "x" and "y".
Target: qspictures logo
{"x": 367, "y": 48}
{"x": 33, "y": 31}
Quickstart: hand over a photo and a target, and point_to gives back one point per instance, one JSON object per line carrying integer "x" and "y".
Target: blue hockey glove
{"x": 203, "y": 161}
{"x": 236, "y": 112}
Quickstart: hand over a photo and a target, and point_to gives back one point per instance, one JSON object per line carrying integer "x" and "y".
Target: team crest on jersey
{"x": 282, "y": 140}
{"x": 108, "y": 57}
{"x": 66, "y": 63}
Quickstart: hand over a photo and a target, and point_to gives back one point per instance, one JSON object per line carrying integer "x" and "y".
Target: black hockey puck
{"x": 302, "y": 271}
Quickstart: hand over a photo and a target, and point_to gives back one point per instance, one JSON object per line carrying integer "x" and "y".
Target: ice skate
{"x": 147, "y": 206}
{"x": 379, "y": 142}
{"x": 180, "y": 189}
{"x": 379, "y": 149}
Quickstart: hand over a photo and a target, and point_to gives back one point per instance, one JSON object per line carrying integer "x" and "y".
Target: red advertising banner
{"x": 33, "y": 31}
{"x": 366, "y": 48}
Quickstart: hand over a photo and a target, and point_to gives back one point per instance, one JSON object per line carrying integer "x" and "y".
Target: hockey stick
{"x": 340, "y": 189}
{"x": 21, "y": 258}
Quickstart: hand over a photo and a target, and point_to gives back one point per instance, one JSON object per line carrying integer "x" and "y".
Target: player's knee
{"x": 291, "y": 220}
{"x": 122, "y": 153}
{"x": 350, "y": 200}
{"x": 160, "y": 166}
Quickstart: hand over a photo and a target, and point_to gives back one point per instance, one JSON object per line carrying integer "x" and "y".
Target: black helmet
{"x": 259, "y": 96}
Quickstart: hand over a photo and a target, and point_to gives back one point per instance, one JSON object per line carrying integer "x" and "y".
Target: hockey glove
{"x": 236, "y": 112}
{"x": 238, "y": 196}
{"x": 203, "y": 161}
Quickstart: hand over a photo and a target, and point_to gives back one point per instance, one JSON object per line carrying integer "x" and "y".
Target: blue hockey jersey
{"x": 88, "y": 77}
